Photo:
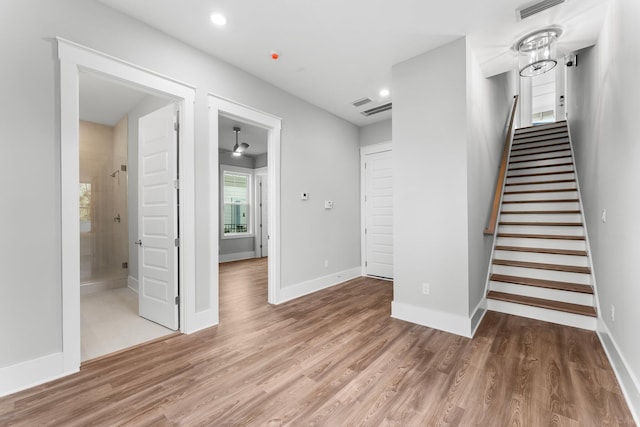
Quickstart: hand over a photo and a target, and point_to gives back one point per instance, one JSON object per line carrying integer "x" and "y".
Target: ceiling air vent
{"x": 361, "y": 102}
{"x": 376, "y": 110}
{"x": 535, "y": 8}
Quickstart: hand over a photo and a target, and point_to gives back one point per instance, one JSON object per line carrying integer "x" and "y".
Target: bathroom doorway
{"x": 108, "y": 193}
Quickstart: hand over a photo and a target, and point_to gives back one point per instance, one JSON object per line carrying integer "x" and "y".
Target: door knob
{"x": 138, "y": 242}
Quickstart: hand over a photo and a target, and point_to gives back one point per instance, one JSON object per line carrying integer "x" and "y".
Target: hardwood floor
{"x": 336, "y": 358}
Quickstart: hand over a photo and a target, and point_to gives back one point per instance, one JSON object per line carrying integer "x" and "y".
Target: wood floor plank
{"x": 335, "y": 358}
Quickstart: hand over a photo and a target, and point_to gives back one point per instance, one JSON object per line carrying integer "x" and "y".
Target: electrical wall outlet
{"x": 326, "y": 263}
{"x": 426, "y": 288}
{"x": 604, "y": 215}
{"x": 328, "y": 204}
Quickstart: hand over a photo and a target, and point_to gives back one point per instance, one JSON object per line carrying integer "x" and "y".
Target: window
{"x": 236, "y": 205}
{"x": 85, "y": 207}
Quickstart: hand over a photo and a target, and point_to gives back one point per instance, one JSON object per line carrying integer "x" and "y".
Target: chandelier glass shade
{"x": 537, "y": 52}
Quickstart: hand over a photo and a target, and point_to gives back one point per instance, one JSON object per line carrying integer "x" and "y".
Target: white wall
{"x": 489, "y": 104}
{"x": 314, "y": 143}
{"x": 603, "y": 95}
{"x": 430, "y": 187}
{"x": 375, "y": 133}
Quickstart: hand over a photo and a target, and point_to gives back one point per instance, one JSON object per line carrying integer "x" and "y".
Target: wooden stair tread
{"x": 542, "y": 201}
{"x": 566, "y": 307}
{"x": 539, "y": 160}
{"x": 540, "y": 236}
{"x": 542, "y": 224}
{"x": 528, "y": 139}
{"x": 516, "y": 149}
{"x": 555, "y": 181}
{"x": 541, "y": 166}
{"x": 541, "y": 152}
{"x": 542, "y": 266}
{"x": 557, "y": 124}
{"x": 539, "y": 283}
{"x": 541, "y": 250}
{"x": 540, "y": 212}
{"x": 539, "y": 174}
{"x": 544, "y": 190}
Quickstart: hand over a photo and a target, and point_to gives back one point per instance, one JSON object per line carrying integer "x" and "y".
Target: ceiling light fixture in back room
{"x": 238, "y": 149}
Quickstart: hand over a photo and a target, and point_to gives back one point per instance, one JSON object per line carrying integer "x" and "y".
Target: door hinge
{"x": 177, "y": 299}
{"x": 365, "y": 230}
{"x": 177, "y": 242}
{"x": 365, "y": 263}
{"x": 365, "y": 165}
{"x": 365, "y": 198}
{"x": 176, "y": 184}
{"x": 176, "y": 123}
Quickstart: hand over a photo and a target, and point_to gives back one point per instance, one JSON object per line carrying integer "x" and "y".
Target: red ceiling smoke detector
{"x": 275, "y": 56}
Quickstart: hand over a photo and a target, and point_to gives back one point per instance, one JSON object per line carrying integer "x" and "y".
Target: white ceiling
{"x": 333, "y": 52}
{"x": 255, "y": 136}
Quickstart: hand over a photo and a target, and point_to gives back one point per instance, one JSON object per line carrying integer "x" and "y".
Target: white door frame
{"x": 74, "y": 58}
{"x": 227, "y": 108}
{"x": 364, "y": 151}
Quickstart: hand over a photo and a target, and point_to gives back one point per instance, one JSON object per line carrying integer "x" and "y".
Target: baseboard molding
{"x": 31, "y": 373}
{"x": 452, "y": 323}
{"x": 202, "y": 320}
{"x": 132, "y": 283}
{"x": 310, "y": 286}
{"x": 238, "y": 256}
{"x": 628, "y": 382}
{"x": 478, "y": 315}
{"x": 102, "y": 285}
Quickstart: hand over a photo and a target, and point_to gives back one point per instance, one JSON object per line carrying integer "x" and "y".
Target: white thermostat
{"x": 328, "y": 204}
{"x": 304, "y": 196}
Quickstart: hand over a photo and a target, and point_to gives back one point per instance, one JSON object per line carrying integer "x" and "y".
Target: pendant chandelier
{"x": 537, "y": 52}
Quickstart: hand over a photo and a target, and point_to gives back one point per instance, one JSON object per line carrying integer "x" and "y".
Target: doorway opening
{"x": 109, "y": 128}
{"x": 75, "y": 60}
{"x": 248, "y": 217}
{"x": 543, "y": 97}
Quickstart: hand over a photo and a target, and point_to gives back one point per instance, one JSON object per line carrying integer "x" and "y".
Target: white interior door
{"x": 263, "y": 217}
{"x": 379, "y": 214}
{"x": 157, "y": 217}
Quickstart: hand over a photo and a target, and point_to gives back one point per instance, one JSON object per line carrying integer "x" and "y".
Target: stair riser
{"x": 536, "y": 229}
{"x": 544, "y": 293}
{"x": 542, "y": 156}
{"x": 539, "y": 145}
{"x": 575, "y": 245}
{"x": 523, "y": 150}
{"x": 561, "y": 318}
{"x": 573, "y": 260}
{"x": 534, "y": 273}
{"x": 533, "y": 197}
{"x": 540, "y": 178}
{"x": 549, "y": 169}
{"x": 542, "y": 186}
{"x": 504, "y": 216}
{"x": 536, "y": 206}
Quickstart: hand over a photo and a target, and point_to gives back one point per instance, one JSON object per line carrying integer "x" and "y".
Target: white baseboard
{"x": 31, "y": 373}
{"x": 296, "y": 291}
{"x": 452, "y": 323}
{"x": 132, "y": 283}
{"x": 202, "y": 320}
{"x": 238, "y": 256}
{"x": 478, "y": 315}
{"x": 628, "y": 382}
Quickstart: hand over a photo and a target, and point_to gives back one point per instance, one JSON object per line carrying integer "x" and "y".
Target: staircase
{"x": 540, "y": 265}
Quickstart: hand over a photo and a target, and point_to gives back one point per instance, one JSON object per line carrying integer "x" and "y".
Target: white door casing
{"x": 157, "y": 217}
{"x": 377, "y": 211}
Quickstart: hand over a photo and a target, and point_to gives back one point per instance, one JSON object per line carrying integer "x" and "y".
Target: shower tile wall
{"x": 103, "y": 237}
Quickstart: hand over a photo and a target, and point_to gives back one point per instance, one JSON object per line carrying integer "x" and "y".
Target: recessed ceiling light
{"x": 385, "y": 92}
{"x": 218, "y": 19}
